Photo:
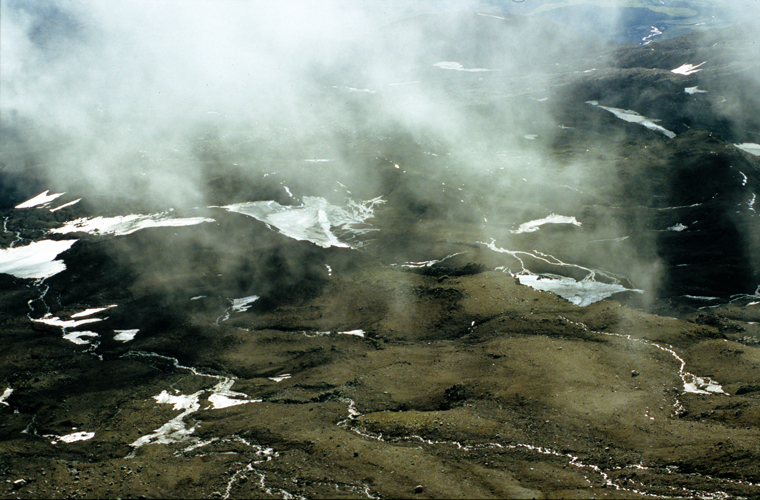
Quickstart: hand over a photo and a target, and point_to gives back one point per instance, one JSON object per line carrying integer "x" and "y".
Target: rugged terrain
{"x": 354, "y": 309}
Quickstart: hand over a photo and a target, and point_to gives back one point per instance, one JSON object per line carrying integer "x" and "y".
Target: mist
{"x": 465, "y": 118}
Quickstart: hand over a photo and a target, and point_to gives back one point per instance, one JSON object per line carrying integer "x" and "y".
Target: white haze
{"x": 120, "y": 90}
{"x": 114, "y": 102}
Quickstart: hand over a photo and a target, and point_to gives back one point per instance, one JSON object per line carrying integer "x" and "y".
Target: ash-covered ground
{"x": 474, "y": 254}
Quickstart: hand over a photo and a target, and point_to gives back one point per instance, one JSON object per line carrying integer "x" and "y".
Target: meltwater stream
{"x": 581, "y": 293}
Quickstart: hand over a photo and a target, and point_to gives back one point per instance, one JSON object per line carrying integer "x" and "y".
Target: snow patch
{"x": 633, "y": 117}
{"x": 749, "y": 147}
{"x": 36, "y": 260}
{"x": 315, "y": 220}
{"x": 223, "y": 397}
{"x": 701, "y": 385}
{"x": 491, "y": 15}
{"x": 51, "y": 320}
{"x": 66, "y": 205}
{"x": 368, "y": 91}
{"x": 694, "y": 90}
{"x": 357, "y": 333}
{"x": 78, "y": 337}
{"x": 458, "y": 67}
{"x": 687, "y": 69}
{"x": 74, "y": 436}
{"x": 581, "y": 293}
{"x": 41, "y": 200}
{"x": 534, "y": 225}
{"x": 125, "y": 224}
{"x": 90, "y": 312}
{"x": 244, "y": 303}
{"x": 125, "y": 335}
{"x": 4, "y": 397}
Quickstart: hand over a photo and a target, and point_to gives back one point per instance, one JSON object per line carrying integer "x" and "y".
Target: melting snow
{"x": 634, "y": 117}
{"x": 66, "y": 205}
{"x": 90, "y": 312}
{"x": 73, "y": 437}
{"x": 125, "y": 335}
{"x": 4, "y": 397}
{"x": 223, "y": 397}
{"x": 315, "y": 220}
{"x": 428, "y": 263}
{"x": 36, "y": 260}
{"x": 749, "y": 147}
{"x": 358, "y": 333}
{"x": 581, "y": 293}
{"x": 491, "y": 15}
{"x": 280, "y": 378}
{"x": 700, "y": 385}
{"x": 694, "y": 90}
{"x": 534, "y": 225}
{"x": 458, "y": 67}
{"x": 77, "y": 337}
{"x": 687, "y": 69}
{"x": 653, "y": 33}
{"x": 369, "y": 91}
{"x": 175, "y": 429}
{"x": 243, "y": 304}
{"x": 40, "y": 200}
{"x": 51, "y": 320}
{"x": 125, "y": 224}
{"x": 181, "y": 402}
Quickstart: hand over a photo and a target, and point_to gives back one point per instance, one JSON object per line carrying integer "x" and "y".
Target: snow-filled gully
{"x": 176, "y": 430}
